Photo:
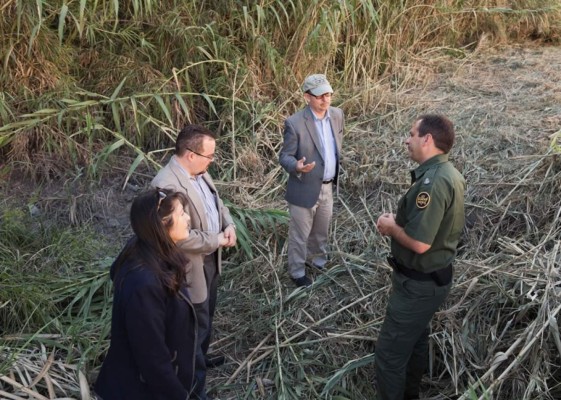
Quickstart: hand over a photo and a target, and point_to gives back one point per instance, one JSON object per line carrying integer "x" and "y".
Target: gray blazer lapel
{"x": 311, "y": 126}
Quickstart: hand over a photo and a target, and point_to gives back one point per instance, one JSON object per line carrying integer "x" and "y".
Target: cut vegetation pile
{"x": 79, "y": 90}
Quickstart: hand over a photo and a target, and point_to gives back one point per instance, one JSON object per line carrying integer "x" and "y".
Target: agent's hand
{"x": 386, "y": 224}
{"x": 301, "y": 167}
{"x": 230, "y": 235}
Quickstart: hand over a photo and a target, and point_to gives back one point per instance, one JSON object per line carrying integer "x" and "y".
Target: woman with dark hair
{"x": 153, "y": 327}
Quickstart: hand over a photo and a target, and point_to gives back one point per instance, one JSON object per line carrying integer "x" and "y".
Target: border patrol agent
{"x": 425, "y": 233}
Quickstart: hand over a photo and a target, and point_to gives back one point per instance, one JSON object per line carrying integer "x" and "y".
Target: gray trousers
{"x": 308, "y": 232}
{"x": 402, "y": 345}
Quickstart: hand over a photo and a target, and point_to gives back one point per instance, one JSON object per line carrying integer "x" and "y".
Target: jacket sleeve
{"x": 289, "y": 151}
{"x": 226, "y": 217}
{"x": 145, "y": 312}
{"x": 199, "y": 242}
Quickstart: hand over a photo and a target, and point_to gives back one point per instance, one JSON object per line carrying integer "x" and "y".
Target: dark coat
{"x": 153, "y": 340}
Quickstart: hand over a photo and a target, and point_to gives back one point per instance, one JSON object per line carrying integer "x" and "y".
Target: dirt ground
{"x": 514, "y": 90}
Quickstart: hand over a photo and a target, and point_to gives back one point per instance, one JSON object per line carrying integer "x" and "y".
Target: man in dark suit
{"x": 212, "y": 228}
{"x": 310, "y": 154}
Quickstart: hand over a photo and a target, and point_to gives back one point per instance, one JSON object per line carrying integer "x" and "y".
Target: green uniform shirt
{"x": 432, "y": 212}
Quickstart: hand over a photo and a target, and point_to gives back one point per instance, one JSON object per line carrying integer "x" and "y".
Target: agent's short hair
{"x": 192, "y": 137}
{"x": 441, "y": 129}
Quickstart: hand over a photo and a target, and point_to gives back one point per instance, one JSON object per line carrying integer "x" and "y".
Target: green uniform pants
{"x": 402, "y": 345}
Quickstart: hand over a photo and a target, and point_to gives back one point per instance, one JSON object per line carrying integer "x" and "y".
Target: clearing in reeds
{"x": 92, "y": 92}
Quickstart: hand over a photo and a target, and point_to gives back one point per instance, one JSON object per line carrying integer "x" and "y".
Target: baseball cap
{"x": 317, "y": 85}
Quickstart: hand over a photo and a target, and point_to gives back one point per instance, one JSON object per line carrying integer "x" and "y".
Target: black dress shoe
{"x": 214, "y": 361}
{"x": 303, "y": 281}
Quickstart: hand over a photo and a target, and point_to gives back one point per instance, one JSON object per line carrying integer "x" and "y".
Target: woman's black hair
{"x": 151, "y": 218}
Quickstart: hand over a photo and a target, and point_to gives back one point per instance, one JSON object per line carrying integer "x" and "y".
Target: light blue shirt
{"x": 325, "y": 133}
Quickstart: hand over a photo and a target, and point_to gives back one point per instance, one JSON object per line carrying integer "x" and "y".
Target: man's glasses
{"x": 321, "y": 97}
{"x": 211, "y": 157}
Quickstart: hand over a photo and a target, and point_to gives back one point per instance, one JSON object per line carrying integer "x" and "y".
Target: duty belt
{"x": 441, "y": 277}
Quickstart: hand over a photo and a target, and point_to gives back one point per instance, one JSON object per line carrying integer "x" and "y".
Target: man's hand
{"x": 222, "y": 241}
{"x": 301, "y": 167}
{"x": 386, "y": 224}
{"x": 230, "y": 236}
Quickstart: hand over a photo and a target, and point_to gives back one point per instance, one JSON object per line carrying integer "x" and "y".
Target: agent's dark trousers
{"x": 402, "y": 345}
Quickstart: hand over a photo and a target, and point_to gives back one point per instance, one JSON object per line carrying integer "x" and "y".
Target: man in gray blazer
{"x": 212, "y": 228}
{"x": 310, "y": 154}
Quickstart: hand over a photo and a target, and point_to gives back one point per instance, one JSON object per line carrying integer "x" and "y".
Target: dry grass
{"x": 498, "y": 335}
{"x": 43, "y": 375}
{"x": 81, "y": 75}
{"x": 89, "y": 88}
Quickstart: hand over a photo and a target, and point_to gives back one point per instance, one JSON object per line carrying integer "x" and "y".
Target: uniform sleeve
{"x": 428, "y": 203}
{"x": 145, "y": 312}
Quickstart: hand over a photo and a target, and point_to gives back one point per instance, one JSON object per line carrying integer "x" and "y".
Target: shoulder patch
{"x": 422, "y": 200}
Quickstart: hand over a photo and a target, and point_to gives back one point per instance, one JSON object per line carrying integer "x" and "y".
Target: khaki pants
{"x": 308, "y": 232}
